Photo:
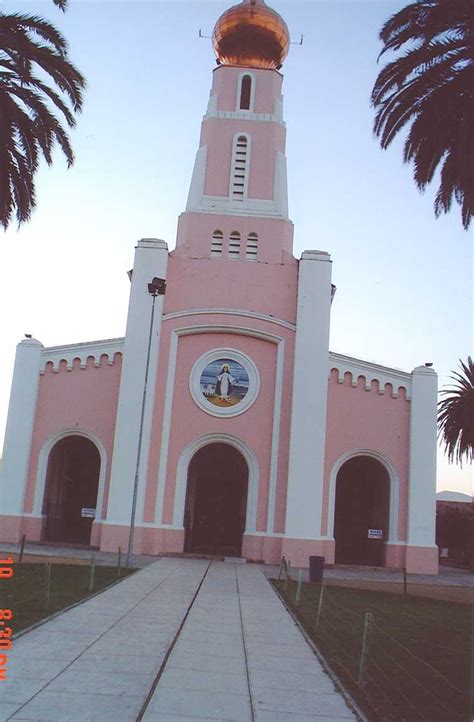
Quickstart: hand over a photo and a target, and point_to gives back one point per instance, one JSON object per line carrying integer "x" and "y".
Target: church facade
{"x": 222, "y": 417}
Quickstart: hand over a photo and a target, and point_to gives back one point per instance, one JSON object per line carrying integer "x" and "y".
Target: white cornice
{"x": 371, "y": 372}
{"x": 83, "y": 351}
{"x": 244, "y": 115}
{"x": 229, "y": 312}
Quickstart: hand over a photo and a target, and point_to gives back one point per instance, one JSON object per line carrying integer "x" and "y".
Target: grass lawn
{"x": 25, "y": 593}
{"x": 419, "y": 656}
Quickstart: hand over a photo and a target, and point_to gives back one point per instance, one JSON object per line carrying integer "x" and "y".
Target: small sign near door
{"x": 87, "y": 513}
{"x": 375, "y": 534}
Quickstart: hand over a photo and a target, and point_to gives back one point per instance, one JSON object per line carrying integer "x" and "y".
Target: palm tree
{"x": 34, "y": 66}
{"x": 456, "y": 415}
{"x": 429, "y": 87}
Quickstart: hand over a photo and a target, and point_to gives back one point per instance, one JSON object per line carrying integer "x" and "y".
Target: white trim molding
{"x": 245, "y": 115}
{"x": 229, "y": 312}
{"x": 182, "y": 477}
{"x": 371, "y": 372}
{"x": 82, "y": 351}
{"x": 40, "y": 484}
{"x": 394, "y": 490}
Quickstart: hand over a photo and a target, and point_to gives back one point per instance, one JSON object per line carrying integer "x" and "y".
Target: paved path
{"x": 181, "y": 640}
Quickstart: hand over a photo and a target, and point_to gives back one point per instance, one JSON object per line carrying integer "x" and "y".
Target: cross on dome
{"x": 251, "y": 35}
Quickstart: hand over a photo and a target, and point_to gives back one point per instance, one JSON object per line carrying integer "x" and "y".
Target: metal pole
{"x": 404, "y": 581}
{"x": 365, "y": 643}
{"x": 119, "y": 561}
{"x": 140, "y": 432}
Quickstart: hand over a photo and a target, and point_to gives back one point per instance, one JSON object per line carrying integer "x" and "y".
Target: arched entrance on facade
{"x": 216, "y": 501}
{"x": 362, "y": 503}
{"x": 72, "y": 482}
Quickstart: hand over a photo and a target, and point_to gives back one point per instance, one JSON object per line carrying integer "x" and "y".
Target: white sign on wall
{"x": 375, "y": 534}
{"x": 87, "y": 513}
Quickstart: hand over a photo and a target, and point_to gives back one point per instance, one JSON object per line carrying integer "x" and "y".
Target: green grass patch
{"x": 418, "y": 665}
{"x": 26, "y": 591}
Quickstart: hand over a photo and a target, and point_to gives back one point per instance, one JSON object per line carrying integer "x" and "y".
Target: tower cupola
{"x": 251, "y": 35}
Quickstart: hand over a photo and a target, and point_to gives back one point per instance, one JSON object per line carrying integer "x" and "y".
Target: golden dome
{"x": 251, "y": 34}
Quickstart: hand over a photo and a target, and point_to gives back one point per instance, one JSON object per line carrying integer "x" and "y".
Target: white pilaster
{"x": 310, "y": 383}
{"x": 422, "y": 458}
{"x": 19, "y": 431}
{"x": 151, "y": 259}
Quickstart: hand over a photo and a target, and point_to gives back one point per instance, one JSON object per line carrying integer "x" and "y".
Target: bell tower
{"x": 237, "y": 205}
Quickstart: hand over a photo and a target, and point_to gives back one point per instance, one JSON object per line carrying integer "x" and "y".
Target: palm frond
{"x": 456, "y": 415}
{"x": 33, "y": 106}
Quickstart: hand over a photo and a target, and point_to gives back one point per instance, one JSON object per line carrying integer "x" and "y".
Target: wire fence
{"x": 388, "y": 679}
{"x": 37, "y": 590}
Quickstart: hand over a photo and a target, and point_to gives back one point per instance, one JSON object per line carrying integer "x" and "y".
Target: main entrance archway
{"x": 72, "y": 481}
{"x": 216, "y": 501}
{"x": 362, "y": 503}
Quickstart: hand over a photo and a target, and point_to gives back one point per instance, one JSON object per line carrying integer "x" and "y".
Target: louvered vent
{"x": 239, "y": 170}
{"x": 234, "y": 245}
{"x": 252, "y": 247}
{"x": 216, "y": 244}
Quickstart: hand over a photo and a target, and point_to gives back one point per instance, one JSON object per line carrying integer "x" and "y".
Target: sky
{"x": 404, "y": 278}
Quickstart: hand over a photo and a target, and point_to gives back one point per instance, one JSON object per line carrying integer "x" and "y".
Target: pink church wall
{"x": 360, "y": 419}
{"x": 251, "y": 287}
{"x": 254, "y": 428}
{"x": 267, "y": 88}
{"x": 266, "y": 140}
{"x": 275, "y": 237}
{"x": 84, "y": 399}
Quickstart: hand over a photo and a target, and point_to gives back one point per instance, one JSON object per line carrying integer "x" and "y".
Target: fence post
{"x": 320, "y": 606}
{"x": 288, "y": 577}
{"x": 92, "y": 573}
{"x": 298, "y": 587}
{"x": 119, "y": 562}
{"x": 280, "y": 569}
{"x": 47, "y": 572}
{"x": 22, "y": 548}
{"x": 365, "y": 644}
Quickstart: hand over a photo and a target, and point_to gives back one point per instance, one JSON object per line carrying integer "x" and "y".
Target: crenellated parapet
{"x": 82, "y": 351}
{"x": 371, "y": 372}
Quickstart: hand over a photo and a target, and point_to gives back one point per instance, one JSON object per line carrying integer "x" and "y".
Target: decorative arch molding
{"x": 394, "y": 489}
{"x": 248, "y": 73}
{"x": 82, "y": 351}
{"x": 45, "y": 451}
{"x": 182, "y": 476}
{"x": 370, "y": 372}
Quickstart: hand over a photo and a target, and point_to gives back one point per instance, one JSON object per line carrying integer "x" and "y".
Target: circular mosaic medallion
{"x": 224, "y": 382}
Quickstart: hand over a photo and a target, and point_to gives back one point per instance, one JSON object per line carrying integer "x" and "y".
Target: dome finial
{"x": 251, "y": 35}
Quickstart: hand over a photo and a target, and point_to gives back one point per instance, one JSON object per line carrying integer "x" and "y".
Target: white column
{"x": 422, "y": 458}
{"x": 20, "y": 422}
{"x": 151, "y": 259}
{"x": 310, "y": 384}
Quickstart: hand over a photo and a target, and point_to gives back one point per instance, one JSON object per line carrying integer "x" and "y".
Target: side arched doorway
{"x": 362, "y": 504}
{"x": 216, "y": 501}
{"x": 72, "y": 481}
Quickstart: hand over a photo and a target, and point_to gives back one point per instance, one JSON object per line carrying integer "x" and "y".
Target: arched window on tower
{"x": 234, "y": 245}
{"x": 239, "y": 168}
{"x": 245, "y": 92}
{"x": 216, "y": 244}
{"x": 252, "y": 247}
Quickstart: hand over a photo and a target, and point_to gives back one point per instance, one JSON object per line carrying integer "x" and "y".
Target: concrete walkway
{"x": 179, "y": 640}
